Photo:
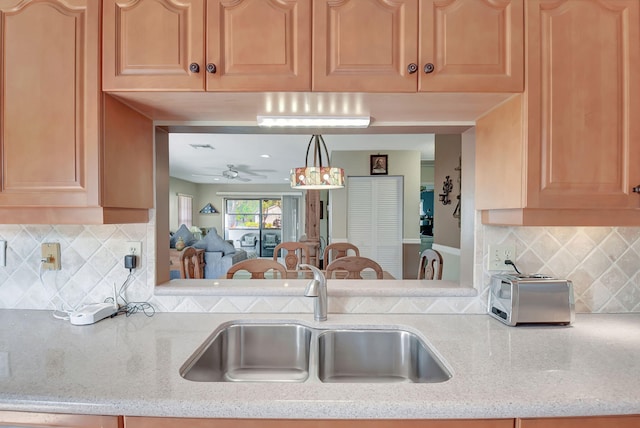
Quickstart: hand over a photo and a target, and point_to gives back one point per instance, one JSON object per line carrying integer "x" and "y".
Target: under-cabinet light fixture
{"x": 314, "y": 121}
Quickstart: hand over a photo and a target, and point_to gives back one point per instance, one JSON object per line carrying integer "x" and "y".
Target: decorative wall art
{"x": 447, "y": 187}
{"x": 379, "y": 165}
{"x": 208, "y": 209}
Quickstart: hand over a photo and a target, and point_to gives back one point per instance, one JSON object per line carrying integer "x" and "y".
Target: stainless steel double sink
{"x": 293, "y": 352}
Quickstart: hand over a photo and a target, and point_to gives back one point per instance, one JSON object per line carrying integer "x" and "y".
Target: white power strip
{"x": 92, "y": 313}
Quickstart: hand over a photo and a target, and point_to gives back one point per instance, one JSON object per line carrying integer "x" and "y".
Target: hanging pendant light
{"x": 317, "y": 176}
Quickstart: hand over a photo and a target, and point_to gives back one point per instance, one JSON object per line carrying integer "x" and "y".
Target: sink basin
{"x": 252, "y": 352}
{"x": 291, "y": 352}
{"x": 376, "y": 356}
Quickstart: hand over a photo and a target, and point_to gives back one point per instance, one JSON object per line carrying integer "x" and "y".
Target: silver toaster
{"x": 531, "y": 299}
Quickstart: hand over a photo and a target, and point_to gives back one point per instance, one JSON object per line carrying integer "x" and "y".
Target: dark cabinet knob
{"x": 412, "y": 68}
{"x": 428, "y": 68}
{"x": 194, "y": 67}
{"x": 211, "y": 68}
{"x": 636, "y": 189}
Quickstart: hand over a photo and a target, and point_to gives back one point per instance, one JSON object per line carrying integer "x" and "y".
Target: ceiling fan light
{"x": 313, "y": 121}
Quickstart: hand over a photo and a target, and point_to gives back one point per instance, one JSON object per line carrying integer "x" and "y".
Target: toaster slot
{"x": 498, "y": 312}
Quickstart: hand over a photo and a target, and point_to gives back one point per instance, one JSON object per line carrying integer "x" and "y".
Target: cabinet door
{"x": 153, "y": 45}
{"x": 49, "y": 75}
{"x": 150, "y": 422}
{"x": 365, "y": 46}
{"x": 24, "y": 419}
{"x": 258, "y": 45}
{"x": 584, "y": 422}
{"x": 472, "y": 46}
{"x": 583, "y": 104}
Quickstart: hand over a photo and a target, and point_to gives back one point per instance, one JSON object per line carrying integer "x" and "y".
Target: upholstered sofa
{"x": 218, "y": 263}
{"x": 219, "y": 254}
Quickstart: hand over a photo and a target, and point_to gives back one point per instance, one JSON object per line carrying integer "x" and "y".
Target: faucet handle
{"x": 312, "y": 288}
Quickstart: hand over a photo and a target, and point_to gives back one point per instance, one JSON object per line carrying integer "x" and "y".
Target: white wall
{"x": 356, "y": 163}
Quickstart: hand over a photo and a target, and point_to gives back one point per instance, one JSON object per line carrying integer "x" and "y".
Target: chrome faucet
{"x": 317, "y": 288}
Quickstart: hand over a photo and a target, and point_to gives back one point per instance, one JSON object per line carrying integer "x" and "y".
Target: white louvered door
{"x": 374, "y": 219}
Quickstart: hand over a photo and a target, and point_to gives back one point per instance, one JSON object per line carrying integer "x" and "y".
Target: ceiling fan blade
{"x": 246, "y": 169}
{"x": 242, "y": 179}
{"x": 206, "y": 175}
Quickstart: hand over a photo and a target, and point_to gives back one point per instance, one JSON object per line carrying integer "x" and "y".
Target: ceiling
{"x": 203, "y": 157}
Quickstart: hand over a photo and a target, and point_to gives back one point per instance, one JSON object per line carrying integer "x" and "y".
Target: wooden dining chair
{"x": 297, "y": 253}
{"x": 430, "y": 266}
{"x": 353, "y": 265}
{"x": 338, "y": 249}
{"x": 257, "y": 268}
{"x": 190, "y": 264}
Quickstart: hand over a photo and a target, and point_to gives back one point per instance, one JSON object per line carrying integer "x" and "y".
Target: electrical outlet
{"x": 3, "y": 253}
{"x": 498, "y": 254}
{"x": 134, "y": 248}
{"x": 51, "y": 256}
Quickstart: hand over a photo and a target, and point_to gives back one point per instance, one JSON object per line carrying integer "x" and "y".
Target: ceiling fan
{"x": 231, "y": 174}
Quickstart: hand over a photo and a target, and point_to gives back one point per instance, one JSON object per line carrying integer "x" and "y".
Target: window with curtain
{"x": 185, "y": 210}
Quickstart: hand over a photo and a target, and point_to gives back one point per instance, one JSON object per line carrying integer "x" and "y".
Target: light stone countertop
{"x": 295, "y": 287}
{"x": 129, "y": 366}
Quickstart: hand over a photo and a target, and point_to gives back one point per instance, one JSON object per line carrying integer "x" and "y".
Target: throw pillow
{"x": 213, "y": 242}
{"x": 229, "y": 248}
{"x": 184, "y": 233}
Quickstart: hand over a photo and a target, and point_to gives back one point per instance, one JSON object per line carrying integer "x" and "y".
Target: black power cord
{"x": 509, "y": 262}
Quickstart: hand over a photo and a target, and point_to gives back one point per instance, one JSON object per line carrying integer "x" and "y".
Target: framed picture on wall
{"x": 379, "y": 165}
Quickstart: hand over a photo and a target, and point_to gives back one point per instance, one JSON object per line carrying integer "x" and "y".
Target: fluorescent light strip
{"x": 314, "y": 121}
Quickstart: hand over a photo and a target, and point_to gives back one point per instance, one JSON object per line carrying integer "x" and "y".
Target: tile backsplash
{"x": 602, "y": 262}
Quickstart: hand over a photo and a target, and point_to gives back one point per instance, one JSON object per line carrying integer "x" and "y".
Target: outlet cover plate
{"x": 133, "y": 247}
{"x": 498, "y": 254}
{"x": 3, "y": 253}
{"x": 51, "y": 256}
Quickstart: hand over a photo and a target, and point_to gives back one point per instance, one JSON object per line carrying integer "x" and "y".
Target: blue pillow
{"x": 229, "y": 248}
{"x": 184, "y": 233}
{"x": 213, "y": 242}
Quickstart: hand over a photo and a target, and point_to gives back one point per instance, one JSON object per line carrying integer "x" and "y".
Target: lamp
{"x": 317, "y": 176}
{"x": 314, "y": 121}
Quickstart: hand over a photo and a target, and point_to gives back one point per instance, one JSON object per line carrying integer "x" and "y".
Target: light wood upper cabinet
{"x": 567, "y": 151}
{"x": 259, "y": 45}
{"x": 472, "y": 46}
{"x": 581, "y": 422}
{"x": 410, "y": 45}
{"x": 60, "y": 159}
{"x": 358, "y": 45}
{"x": 46, "y": 100}
{"x": 153, "y": 45}
{"x": 365, "y": 46}
{"x": 251, "y": 45}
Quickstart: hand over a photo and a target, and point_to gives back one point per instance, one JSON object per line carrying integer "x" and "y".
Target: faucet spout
{"x": 317, "y": 288}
